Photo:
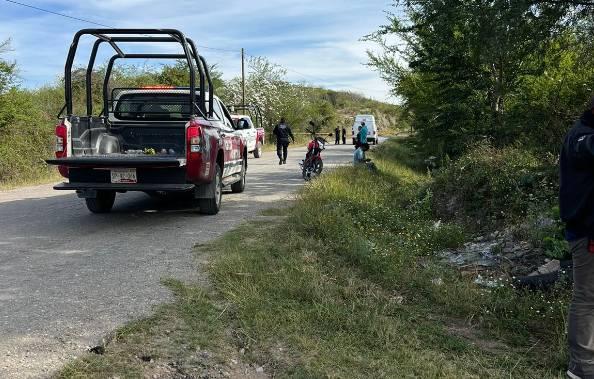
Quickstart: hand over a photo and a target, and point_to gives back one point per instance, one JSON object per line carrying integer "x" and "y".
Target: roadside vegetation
{"x": 490, "y": 89}
{"x": 354, "y": 290}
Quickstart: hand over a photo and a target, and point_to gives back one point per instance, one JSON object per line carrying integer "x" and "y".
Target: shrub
{"x": 25, "y": 138}
{"x": 491, "y": 186}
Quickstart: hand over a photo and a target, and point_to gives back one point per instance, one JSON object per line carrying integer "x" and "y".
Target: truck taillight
{"x": 194, "y": 164}
{"x": 193, "y": 135}
{"x": 61, "y": 141}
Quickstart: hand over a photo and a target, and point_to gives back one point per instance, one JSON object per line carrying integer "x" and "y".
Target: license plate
{"x": 123, "y": 176}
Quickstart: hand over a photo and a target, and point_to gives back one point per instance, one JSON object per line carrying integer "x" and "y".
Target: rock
{"x": 549, "y": 267}
{"x": 515, "y": 254}
{"x": 96, "y": 349}
{"x": 260, "y": 369}
{"x": 242, "y": 351}
{"x": 437, "y": 281}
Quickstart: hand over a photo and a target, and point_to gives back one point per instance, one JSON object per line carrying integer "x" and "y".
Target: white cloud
{"x": 319, "y": 38}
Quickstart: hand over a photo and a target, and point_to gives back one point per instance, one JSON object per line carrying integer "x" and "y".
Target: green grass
{"x": 350, "y": 293}
{"x": 43, "y": 177}
{"x": 345, "y": 286}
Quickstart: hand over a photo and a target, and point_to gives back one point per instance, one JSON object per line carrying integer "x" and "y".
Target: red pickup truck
{"x": 153, "y": 139}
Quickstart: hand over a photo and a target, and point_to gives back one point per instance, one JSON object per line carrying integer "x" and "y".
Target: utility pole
{"x": 242, "y": 77}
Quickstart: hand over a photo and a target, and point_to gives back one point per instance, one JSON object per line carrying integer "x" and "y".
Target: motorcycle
{"x": 313, "y": 165}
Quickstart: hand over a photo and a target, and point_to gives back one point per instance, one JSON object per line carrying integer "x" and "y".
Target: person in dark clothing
{"x": 343, "y": 135}
{"x": 282, "y": 131}
{"x": 337, "y": 136}
{"x": 576, "y": 201}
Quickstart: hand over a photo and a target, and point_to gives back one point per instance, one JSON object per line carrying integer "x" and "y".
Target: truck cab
{"x": 155, "y": 139}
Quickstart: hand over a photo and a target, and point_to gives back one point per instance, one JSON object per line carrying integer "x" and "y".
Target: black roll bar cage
{"x": 167, "y": 35}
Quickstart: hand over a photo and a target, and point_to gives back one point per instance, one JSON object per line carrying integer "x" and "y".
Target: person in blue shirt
{"x": 363, "y": 133}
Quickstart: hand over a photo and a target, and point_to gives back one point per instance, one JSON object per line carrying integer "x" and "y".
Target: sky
{"x": 317, "y": 41}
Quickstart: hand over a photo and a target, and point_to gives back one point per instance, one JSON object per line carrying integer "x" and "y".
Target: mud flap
{"x": 205, "y": 191}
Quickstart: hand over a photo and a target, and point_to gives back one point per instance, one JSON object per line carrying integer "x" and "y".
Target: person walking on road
{"x": 337, "y": 136}
{"x": 343, "y": 135}
{"x": 282, "y": 131}
{"x": 576, "y": 200}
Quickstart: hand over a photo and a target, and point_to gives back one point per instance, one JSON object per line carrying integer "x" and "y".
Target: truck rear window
{"x": 153, "y": 106}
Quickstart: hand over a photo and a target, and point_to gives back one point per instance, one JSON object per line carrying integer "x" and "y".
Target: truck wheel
{"x": 258, "y": 150}
{"x": 211, "y": 206}
{"x": 375, "y": 141}
{"x": 102, "y": 203}
{"x": 239, "y": 186}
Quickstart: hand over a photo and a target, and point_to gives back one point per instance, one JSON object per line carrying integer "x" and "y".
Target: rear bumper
{"x": 125, "y": 187}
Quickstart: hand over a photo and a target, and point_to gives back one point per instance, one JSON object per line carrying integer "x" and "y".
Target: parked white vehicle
{"x": 253, "y": 136}
{"x": 372, "y": 129}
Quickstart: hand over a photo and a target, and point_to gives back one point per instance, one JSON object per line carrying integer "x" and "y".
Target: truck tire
{"x": 212, "y": 205}
{"x": 239, "y": 187}
{"x": 102, "y": 203}
{"x": 375, "y": 141}
{"x": 258, "y": 150}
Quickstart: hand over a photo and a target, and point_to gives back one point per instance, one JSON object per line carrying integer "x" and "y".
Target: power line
{"x": 99, "y": 24}
{"x": 236, "y": 51}
{"x": 57, "y": 13}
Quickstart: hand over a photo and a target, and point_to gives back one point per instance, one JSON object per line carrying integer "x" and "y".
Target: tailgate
{"x": 110, "y": 161}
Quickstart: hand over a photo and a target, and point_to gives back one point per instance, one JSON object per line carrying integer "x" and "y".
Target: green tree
{"x": 459, "y": 65}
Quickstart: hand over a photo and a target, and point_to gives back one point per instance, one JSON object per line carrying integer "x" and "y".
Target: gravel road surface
{"x": 69, "y": 277}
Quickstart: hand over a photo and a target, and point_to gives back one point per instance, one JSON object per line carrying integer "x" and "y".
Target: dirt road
{"x": 69, "y": 277}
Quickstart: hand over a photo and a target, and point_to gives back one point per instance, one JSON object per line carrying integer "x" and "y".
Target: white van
{"x": 372, "y": 134}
